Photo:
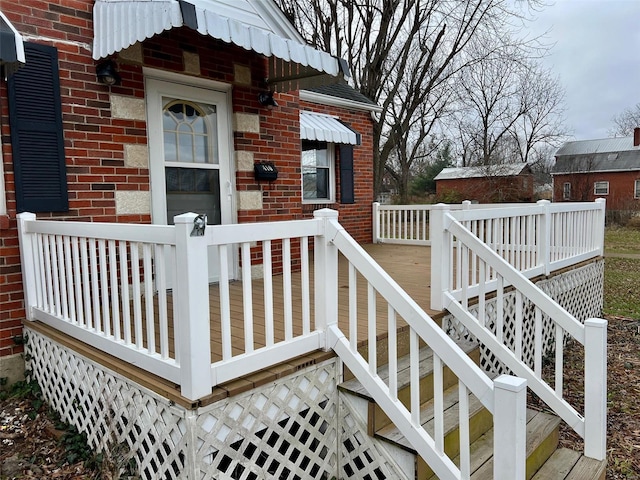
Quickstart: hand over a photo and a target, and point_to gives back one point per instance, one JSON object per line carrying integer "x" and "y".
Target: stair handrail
{"x": 592, "y": 335}
{"x": 507, "y": 391}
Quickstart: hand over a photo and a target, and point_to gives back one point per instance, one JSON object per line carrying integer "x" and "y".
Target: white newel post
{"x": 441, "y": 268}
{"x": 29, "y": 262}
{"x": 191, "y": 293}
{"x": 595, "y": 388}
{"x": 545, "y": 236}
{"x": 326, "y": 273}
{"x": 602, "y": 203}
{"x": 376, "y": 222}
{"x": 510, "y": 428}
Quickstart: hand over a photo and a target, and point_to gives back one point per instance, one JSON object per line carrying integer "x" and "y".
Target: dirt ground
{"x": 33, "y": 445}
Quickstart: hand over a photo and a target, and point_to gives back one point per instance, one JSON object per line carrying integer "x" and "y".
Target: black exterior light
{"x": 107, "y": 74}
{"x": 266, "y": 100}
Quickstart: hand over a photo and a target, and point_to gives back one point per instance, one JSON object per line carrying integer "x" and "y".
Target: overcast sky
{"x": 596, "y": 53}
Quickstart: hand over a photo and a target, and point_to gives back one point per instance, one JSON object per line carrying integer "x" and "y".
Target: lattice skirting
{"x": 579, "y": 291}
{"x": 298, "y": 427}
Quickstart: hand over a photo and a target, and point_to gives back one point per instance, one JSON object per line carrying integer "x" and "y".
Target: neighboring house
{"x": 486, "y": 184}
{"x": 608, "y": 168}
{"x": 135, "y": 111}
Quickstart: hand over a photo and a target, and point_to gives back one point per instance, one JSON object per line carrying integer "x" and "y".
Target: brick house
{"x": 486, "y": 184}
{"x": 608, "y": 168}
{"x": 117, "y": 121}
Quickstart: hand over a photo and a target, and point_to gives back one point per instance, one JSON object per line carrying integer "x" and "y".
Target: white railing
{"x": 409, "y": 224}
{"x": 506, "y": 393}
{"x": 535, "y": 239}
{"x": 486, "y": 259}
{"x": 141, "y": 293}
{"x": 107, "y": 285}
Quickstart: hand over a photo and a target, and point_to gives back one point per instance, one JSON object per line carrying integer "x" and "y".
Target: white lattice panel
{"x": 578, "y": 291}
{"x": 361, "y": 456}
{"x": 286, "y": 430}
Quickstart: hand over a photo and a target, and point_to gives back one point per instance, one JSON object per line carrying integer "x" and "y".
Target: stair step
{"x": 480, "y": 421}
{"x": 354, "y": 387}
{"x": 542, "y": 441}
{"x": 566, "y": 464}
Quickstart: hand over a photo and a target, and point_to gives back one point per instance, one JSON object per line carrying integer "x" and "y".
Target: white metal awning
{"x": 11, "y": 47}
{"x": 325, "y": 128}
{"x": 251, "y": 24}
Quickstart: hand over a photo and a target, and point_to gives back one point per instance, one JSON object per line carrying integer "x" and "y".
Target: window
{"x": 566, "y": 191}
{"x": 318, "y": 176}
{"x": 636, "y": 190}
{"x": 601, "y": 188}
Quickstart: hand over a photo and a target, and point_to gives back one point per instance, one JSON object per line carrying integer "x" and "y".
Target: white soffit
{"x": 325, "y": 128}
{"x": 121, "y": 23}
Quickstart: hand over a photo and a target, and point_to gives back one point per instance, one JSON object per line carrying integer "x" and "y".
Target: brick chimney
{"x": 636, "y": 136}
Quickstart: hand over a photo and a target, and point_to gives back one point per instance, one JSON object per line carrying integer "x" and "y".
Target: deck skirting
{"x": 296, "y": 427}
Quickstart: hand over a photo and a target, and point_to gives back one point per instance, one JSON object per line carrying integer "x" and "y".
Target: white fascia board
{"x": 332, "y": 101}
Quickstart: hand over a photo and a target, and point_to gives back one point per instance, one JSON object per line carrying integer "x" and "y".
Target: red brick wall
{"x": 621, "y": 188}
{"x": 94, "y": 141}
{"x": 488, "y": 190}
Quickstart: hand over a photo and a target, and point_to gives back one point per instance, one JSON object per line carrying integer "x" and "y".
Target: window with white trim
{"x": 318, "y": 172}
{"x": 601, "y": 188}
{"x": 566, "y": 191}
{"x": 636, "y": 189}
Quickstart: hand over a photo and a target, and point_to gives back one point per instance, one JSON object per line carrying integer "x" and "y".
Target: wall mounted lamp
{"x": 266, "y": 99}
{"x": 107, "y": 73}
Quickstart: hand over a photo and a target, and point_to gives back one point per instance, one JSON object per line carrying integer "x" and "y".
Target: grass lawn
{"x": 622, "y": 275}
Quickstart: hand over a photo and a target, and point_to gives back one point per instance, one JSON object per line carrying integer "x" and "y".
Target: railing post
{"x": 375, "y": 230}
{"x": 544, "y": 247}
{"x": 29, "y": 262}
{"x": 191, "y": 292}
{"x": 595, "y": 388}
{"x": 325, "y": 274}
{"x": 441, "y": 267}
{"x": 602, "y": 203}
{"x": 509, "y": 427}
{"x": 466, "y": 205}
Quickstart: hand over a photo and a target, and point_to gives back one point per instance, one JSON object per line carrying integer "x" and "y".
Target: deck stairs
{"x": 544, "y": 459}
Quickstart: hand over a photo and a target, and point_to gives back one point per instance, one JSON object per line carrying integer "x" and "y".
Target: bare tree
{"x": 625, "y": 122}
{"x": 404, "y": 55}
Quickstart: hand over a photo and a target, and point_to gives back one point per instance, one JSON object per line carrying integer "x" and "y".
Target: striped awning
{"x": 249, "y": 24}
{"x": 325, "y": 128}
{"x": 11, "y": 46}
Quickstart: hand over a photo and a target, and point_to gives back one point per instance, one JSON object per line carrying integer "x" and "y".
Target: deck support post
{"x": 544, "y": 254}
{"x": 510, "y": 427}
{"x": 599, "y": 237}
{"x": 441, "y": 264}
{"x": 376, "y": 223}
{"x": 28, "y": 260}
{"x": 191, "y": 292}
{"x": 595, "y": 388}
{"x": 326, "y": 274}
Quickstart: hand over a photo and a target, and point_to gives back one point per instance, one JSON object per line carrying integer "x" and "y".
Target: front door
{"x": 190, "y": 156}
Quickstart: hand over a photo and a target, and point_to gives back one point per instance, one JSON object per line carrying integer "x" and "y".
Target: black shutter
{"x": 346, "y": 174}
{"x": 35, "y": 116}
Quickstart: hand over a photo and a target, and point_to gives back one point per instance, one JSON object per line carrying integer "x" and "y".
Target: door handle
{"x": 229, "y": 189}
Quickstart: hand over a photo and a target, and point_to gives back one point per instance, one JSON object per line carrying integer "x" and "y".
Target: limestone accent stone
{"x": 128, "y": 108}
{"x": 133, "y": 202}
{"x": 241, "y": 74}
{"x": 249, "y": 200}
{"x": 257, "y": 271}
{"x": 191, "y": 62}
{"x": 132, "y": 54}
{"x": 246, "y": 122}
{"x": 244, "y": 161}
{"x": 136, "y": 156}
